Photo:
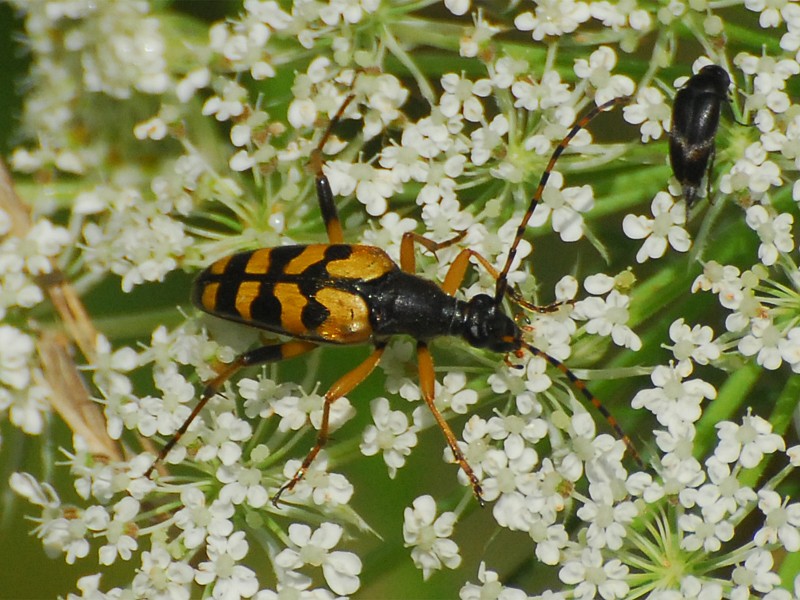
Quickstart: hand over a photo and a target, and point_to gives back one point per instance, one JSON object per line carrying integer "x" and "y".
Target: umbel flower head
{"x": 157, "y": 138}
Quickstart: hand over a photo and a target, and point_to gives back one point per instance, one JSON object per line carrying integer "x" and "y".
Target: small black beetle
{"x": 695, "y": 118}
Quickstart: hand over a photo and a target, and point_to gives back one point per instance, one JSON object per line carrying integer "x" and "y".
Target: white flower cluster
{"x": 137, "y": 241}
{"x": 24, "y": 261}
{"x": 756, "y": 317}
{"x": 159, "y": 144}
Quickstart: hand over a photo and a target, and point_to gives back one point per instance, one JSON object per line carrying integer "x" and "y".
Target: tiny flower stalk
{"x": 153, "y": 142}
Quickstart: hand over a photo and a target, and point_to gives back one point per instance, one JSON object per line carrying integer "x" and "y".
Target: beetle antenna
{"x": 502, "y": 280}
{"x": 316, "y": 156}
{"x": 580, "y": 385}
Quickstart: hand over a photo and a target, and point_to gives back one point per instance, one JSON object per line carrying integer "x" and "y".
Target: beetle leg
{"x": 408, "y": 261}
{"x": 327, "y": 206}
{"x": 427, "y": 382}
{"x": 458, "y": 269}
{"x": 513, "y": 293}
{"x": 257, "y": 356}
{"x": 343, "y": 386}
{"x": 455, "y": 277}
{"x": 709, "y": 173}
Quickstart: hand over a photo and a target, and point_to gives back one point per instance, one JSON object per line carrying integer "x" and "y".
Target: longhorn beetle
{"x": 695, "y": 119}
{"x": 339, "y": 293}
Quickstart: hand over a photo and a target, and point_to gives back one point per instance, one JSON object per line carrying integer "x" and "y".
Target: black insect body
{"x": 695, "y": 119}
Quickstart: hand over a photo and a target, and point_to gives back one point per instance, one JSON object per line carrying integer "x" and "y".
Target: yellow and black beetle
{"x": 341, "y": 293}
